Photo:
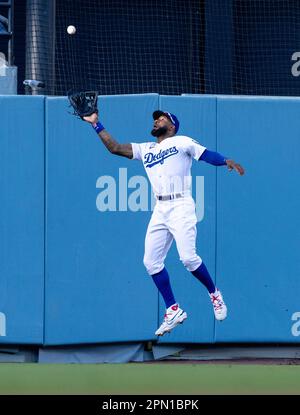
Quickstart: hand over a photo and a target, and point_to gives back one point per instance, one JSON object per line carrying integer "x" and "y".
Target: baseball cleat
{"x": 219, "y": 306}
{"x": 174, "y": 316}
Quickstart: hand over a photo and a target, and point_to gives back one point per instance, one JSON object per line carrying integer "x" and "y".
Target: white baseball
{"x": 71, "y": 30}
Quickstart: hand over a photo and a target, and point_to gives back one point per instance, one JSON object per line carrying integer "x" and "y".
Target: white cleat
{"x": 174, "y": 316}
{"x": 219, "y": 306}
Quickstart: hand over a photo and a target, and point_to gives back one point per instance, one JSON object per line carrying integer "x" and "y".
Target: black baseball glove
{"x": 84, "y": 103}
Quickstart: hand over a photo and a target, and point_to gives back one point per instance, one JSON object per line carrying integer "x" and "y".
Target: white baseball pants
{"x": 174, "y": 219}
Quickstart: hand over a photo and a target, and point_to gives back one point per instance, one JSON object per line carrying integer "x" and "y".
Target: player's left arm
{"x": 217, "y": 159}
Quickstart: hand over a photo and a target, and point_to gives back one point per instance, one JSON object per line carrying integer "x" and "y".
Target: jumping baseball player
{"x": 168, "y": 165}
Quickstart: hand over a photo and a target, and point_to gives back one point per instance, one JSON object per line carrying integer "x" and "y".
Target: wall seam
{"x": 216, "y": 206}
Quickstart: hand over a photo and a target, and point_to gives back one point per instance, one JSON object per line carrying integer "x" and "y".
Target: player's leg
{"x": 182, "y": 225}
{"x": 158, "y": 241}
{"x": 157, "y": 244}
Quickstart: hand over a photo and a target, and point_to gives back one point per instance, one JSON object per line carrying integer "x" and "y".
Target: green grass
{"x": 166, "y": 378}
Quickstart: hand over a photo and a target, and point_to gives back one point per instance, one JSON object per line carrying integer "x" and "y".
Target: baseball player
{"x": 168, "y": 165}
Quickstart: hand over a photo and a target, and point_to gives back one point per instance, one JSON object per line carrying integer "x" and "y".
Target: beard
{"x": 159, "y": 131}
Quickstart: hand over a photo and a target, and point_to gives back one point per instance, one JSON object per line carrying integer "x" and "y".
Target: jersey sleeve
{"x": 136, "y": 151}
{"x": 193, "y": 148}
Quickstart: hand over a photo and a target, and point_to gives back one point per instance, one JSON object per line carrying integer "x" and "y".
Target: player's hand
{"x": 91, "y": 118}
{"x": 232, "y": 165}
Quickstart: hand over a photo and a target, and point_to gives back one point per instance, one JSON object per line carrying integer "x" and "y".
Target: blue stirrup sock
{"x": 203, "y": 276}
{"x": 162, "y": 282}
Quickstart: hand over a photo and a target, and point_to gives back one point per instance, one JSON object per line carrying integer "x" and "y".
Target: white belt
{"x": 169, "y": 197}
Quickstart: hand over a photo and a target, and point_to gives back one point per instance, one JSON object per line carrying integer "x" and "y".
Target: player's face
{"x": 161, "y": 126}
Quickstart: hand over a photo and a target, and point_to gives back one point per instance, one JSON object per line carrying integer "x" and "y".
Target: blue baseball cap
{"x": 172, "y": 118}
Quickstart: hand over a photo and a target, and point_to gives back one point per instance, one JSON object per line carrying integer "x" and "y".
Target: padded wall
{"x": 71, "y": 268}
{"x": 258, "y": 222}
{"x": 22, "y": 220}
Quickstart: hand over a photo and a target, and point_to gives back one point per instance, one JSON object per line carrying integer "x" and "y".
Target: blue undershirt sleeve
{"x": 212, "y": 157}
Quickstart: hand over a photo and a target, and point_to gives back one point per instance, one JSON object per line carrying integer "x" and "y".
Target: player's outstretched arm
{"x": 124, "y": 150}
{"x": 216, "y": 159}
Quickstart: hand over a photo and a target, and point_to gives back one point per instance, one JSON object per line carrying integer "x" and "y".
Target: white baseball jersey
{"x": 168, "y": 164}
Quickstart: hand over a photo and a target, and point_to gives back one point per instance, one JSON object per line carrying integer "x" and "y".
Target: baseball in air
{"x": 71, "y": 30}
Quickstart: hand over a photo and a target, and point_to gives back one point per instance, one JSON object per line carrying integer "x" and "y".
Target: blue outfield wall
{"x": 71, "y": 268}
{"x": 22, "y": 220}
{"x": 258, "y": 221}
